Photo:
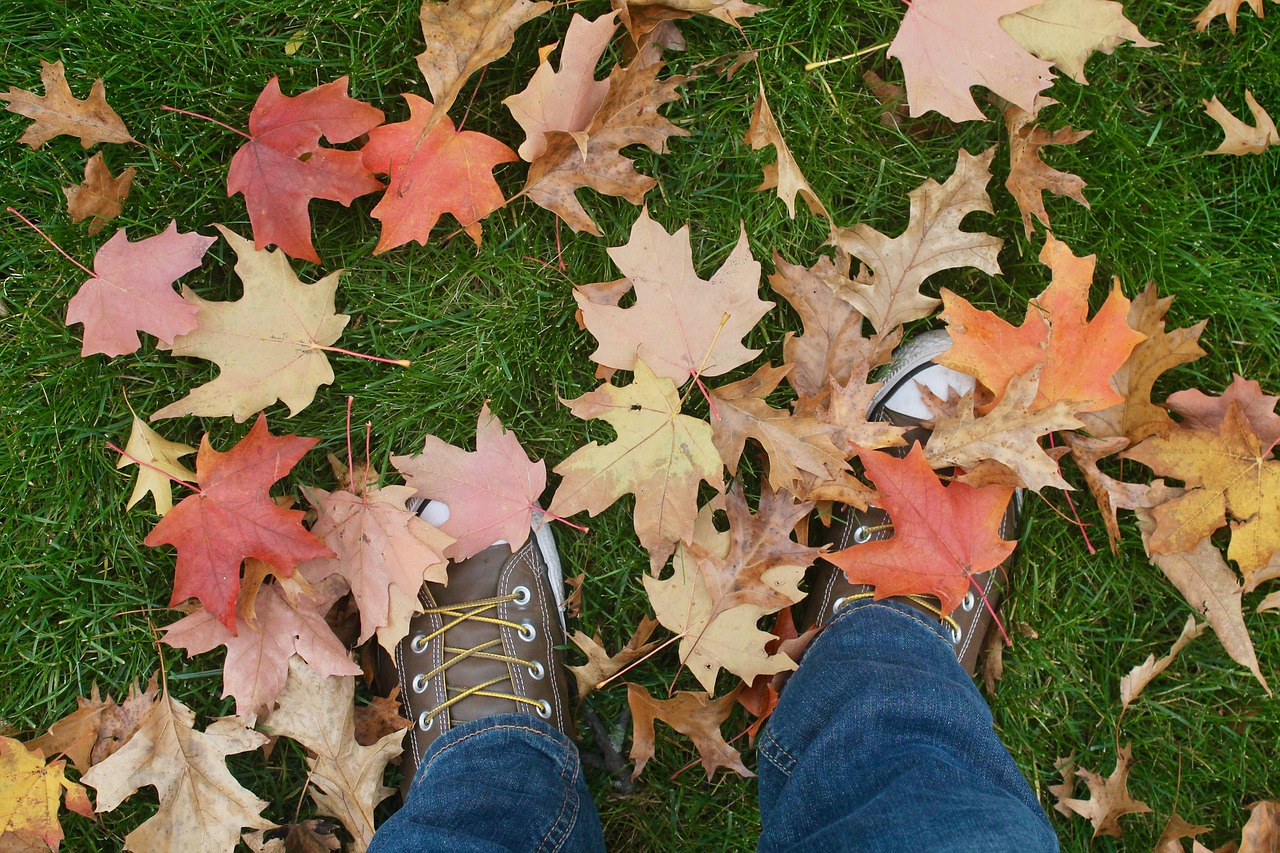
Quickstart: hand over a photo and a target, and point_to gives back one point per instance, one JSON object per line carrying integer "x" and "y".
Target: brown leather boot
{"x": 485, "y": 644}
{"x": 899, "y": 402}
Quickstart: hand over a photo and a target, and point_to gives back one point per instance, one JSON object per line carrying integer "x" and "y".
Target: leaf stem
{"x": 206, "y": 118}
{"x": 402, "y": 362}
{"x": 811, "y": 66}
{"x": 639, "y": 660}
{"x": 63, "y": 251}
{"x": 351, "y": 465}
{"x": 554, "y": 517}
{"x": 142, "y": 464}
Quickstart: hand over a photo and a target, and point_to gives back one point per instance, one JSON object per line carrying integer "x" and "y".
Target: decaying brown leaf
{"x": 1205, "y": 411}
{"x": 98, "y": 727}
{"x": 102, "y": 195}
{"x": 58, "y": 112}
{"x": 1262, "y": 830}
{"x": 1238, "y": 137}
{"x": 784, "y": 175}
{"x": 1029, "y": 176}
{"x": 1065, "y": 789}
{"x": 600, "y": 664}
{"x": 1132, "y": 684}
{"x": 1109, "y": 798}
{"x": 379, "y": 718}
{"x": 1175, "y": 830}
{"x": 693, "y": 714}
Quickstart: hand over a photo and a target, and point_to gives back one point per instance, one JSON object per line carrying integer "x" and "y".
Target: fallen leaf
{"x": 564, "y": 99}
{"x": 161, "y": 463}
{"x": 600, "y": 664}
{"x": 463, "y": 36}
{"x": 1111, "y": 494}
{"x": 490, "y": 493}
{"x": 695, "y": 715}
{"x": 1262, "y": 831}
{"x": 283, "y": 165}
{"x": 1078, "y": 355}
{"x": 1029, "y": 176}
{"x": 309, "y": 836}
{"x": 233, "y": 517}
{"x": 1238, "y": 137}
{"x": 1065, "y": 789}
{"x": 202, "y": 806}
{"x": 784, "y": 175}
{"x": 269, "y": 343}
{"x": 728, "y": 11}
{"x": 1067, "y": 32}
{"x": 379, "y": 718}
{"x": 318, "y": 712}
{"x": 1109, "y": 798}
{"x": 1204, "y": 411}
{"x": 932, "y": 242}
{"x": 58, "y": 112}
{"x": 102, "y": 195}
{"x": 30, "y": 792}
{"x": 942, "y": 535}
{"x": 1175, "y": 830}
{"x": 1132, "y": 685}
{"x": 760, "y": 697}
{"x": 132, "y": 291}
{"x": 573, "y": 601}
{"x": 1230, "y": 8}
{"x": 948, "y": 46}
{"x": 659, "y": 456}
{"x": 432, "y": 169}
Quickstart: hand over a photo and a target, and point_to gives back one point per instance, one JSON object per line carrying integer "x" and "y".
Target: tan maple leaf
{"x": 1230, "y": 8}
{"x": 600, "y": 664}
{"x": 932, "y": 242}
{"x": 58, "y": 111}
{"x": 659, "y": 456}
{"x": 161, "y": 462}
{"x": 1029, "y": 176}
{"x": 784, "y": 175}
{"x": 202, "y": 806}
{"x": 319, "y": 713}
{"x": 463, "y": 36}
{"x": 1137, "y": 679}
{"x": 1067, "y": 32}
{"x": 695, "y": 715}
{"x": 102, "y": 195}
{"x": 30, "y": 791}
{"x": 1109, "y": 798}
{"x": 628, "y": 115}
{"x": 1136, "y": 417}
{"x": 1238, "y": 137}
{"x": 269, "y": 343}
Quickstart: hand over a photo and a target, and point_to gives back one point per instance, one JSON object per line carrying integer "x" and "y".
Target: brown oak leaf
{"x": 1067, "y": 32}
{"x": 1262, "y": 831}
{"x": 1230, "y": 8}
{"x": 1238, "y": 137}
{"x": 1065, "y": 789}
{"x": 1204, "y": 411}
{"x": 102, "y": 195}
{"x": 1137, "y": 679}
{"x": 784, "y": 175}
{"x": 58, "y": 112}
{"x": 1109, "y": 798}
{"x": 1170, "y": 840}
{"x": 1029, "y": 176}
{"x": 98, "y": 727}
{"x": 600, "y": 664}
{"x": 379, "y": 718}
{"x": 1111, "y": 494}
{"x": 695, "y": 715}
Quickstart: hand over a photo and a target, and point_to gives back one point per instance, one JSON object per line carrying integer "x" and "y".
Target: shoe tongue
{"x": 907, "y": 403}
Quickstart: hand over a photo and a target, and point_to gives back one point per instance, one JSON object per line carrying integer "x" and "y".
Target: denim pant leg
{"x": 509, "y": 782}
{"x": 881, "y": 742}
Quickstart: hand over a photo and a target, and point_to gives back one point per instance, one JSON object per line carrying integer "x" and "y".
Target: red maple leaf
{"x": 283, "y": 166}
{"x": 132, "y": 291}
{"x": 446, "y": 171}
{"x": 942, "y": 535}
{"x": 233, "y": 517}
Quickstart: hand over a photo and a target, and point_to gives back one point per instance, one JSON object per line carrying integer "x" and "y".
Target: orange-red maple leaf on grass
{"x": 942, "y": 535}
{"x": 445, "y": 171}
{"x": 233, "y": 517}
{"x": 283, "y": 166}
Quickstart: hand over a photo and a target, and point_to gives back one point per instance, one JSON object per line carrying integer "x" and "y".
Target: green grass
{"x": 81, "y": 593}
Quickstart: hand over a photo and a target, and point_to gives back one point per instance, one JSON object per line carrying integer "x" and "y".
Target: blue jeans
{"x": 880, "y": 742}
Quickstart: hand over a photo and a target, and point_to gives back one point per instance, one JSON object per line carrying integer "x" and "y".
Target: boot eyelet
{"x": 968, "y": 601}
{"x": 839, "y": 602}
{"x": 527, "y": 632}
{"x": 956, "y": 633}
{"x": 426, "y": 720}
{"x": 861, "y": 535}
{"x": 537, "y": 672}
{"x": 420, "y": 683}
{"x": 522, "y": 596}
{"x": 544, "y": 709}
{"x": 419, "y": 644}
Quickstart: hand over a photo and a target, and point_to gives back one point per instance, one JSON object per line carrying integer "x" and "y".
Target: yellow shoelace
{"x": 462, "y": 612}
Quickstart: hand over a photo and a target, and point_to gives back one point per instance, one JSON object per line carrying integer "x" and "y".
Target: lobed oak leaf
{"x": 728, "y": 11}
{"x": 1109, "y": 798}
{"x": 1065, "y": 789}
{"x": 490, "y": 492}
{"x": 931, "y": 242}
{"x": 1203, "y": 411}
{"x": 1170, "y": 840}
{"x": 1238, "y": 137}
{"x": 1111, "y": 494}
{"x": 942, "y": 535}
{"x": 628, "y": 115}
{"x": 1230, "y": 8}
{"x": 102, "y": 195}
{"x": 567, "y": 99}
{"x": 1078, "y": 355}
{"x": 309, "y": 836}
{"x": 233, "y": 517}
{"x": 695, "y": 715}
{"x": 58, "y": 112}
{"x": 1029, "y": 176}
{"x": 659, "y": 456}
{"x": 760, "y": 697}
{"x": 269, "y": 343}
{"x": 600, "y": 664}
{"x": 1137, "y": 679}
{"x": 463, "y": 36}
{"x": 319, "y": 713}
{"x": 1226, "y": 476}
{"x": 160, "y": 458}
{"x": 258, "y": 652}
{"x": 1067, "y": 32}
{"x": 680, "y": 324}
{"x": 132, "y": 291}
{"x": 379, "y": 718}
{"x": 432, "y": 169}
{"x": 202, "y": 806}
{"x": 30, "y": 793}
{"x": 947, "y": 46}
{"x": 283, "y": 165}
{"x": 784, "y": 175}
{"x": 1136, "y": 417}
{"x": 846, "y": 413}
